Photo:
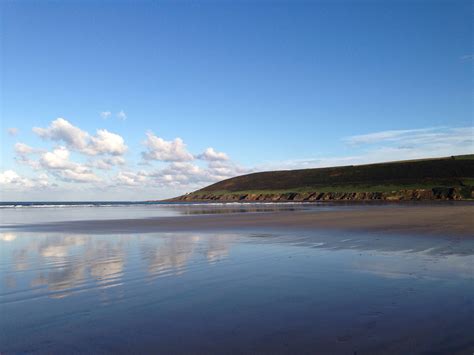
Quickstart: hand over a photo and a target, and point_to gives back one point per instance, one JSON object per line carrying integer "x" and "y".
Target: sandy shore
{"x": 449, "y": 220}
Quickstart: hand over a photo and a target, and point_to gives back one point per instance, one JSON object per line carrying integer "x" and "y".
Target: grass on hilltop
{"x": 457, "y": 171}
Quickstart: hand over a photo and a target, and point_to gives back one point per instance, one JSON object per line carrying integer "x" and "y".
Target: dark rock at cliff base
{"x": 436, "y": 193}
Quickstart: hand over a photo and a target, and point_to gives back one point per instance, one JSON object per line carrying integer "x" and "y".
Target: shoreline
{"x": 448, "y": 220}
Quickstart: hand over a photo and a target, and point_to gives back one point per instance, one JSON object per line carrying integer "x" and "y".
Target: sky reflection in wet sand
{"x": 198, "y": 292}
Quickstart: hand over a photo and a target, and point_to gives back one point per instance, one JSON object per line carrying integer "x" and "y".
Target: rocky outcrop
{"x": 437, "y": 193}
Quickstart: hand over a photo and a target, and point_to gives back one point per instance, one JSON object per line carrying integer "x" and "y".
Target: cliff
{"x": 449, "y": 178}
{"x": 401, "y": 195}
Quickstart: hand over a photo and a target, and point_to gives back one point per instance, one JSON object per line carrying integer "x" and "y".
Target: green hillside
{"x": 456, "y": 171}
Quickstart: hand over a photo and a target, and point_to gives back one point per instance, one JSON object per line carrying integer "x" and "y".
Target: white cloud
{"x": 61, "y": 130}
{"x": 130, "y": 178}
{"x": 79, "y": 174}
{"x": 104, "y": 142}
{"x": 176, "y": 174}
{"x": 107, "y": 163}
{"x": 184, "y": 172}
{"x": 189, "y": 175}
{"x": 59, "y": 164}
{"x": 57, "y": 159}
{"x": 121, "y": 115}
{"x": 179, "y": 174}
{"x": 110, "y": 147}
{"x": 105, "y": 114}
{"x": 211, "y": 155}
{"x": 43, "y": 180}
{"x": 24, "y": 149}
{"x": 10, "y": 179}
{"x": 23, "y": 153}
{"x": 13, "y": 131}
{"x": 169, "y": 151}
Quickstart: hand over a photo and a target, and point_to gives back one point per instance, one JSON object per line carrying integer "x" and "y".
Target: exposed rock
{"x": 437, "y": 193}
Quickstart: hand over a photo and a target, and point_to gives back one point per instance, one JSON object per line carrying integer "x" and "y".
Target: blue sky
{"x": 267, "y": 84}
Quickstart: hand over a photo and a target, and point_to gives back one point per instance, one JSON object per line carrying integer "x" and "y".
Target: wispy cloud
{"x": 467, "y": 57}
{"x": 432, "y": 137}
{"x": 121, "y": 115}
{"x": 13, "y": 131}
{"x": 105, "y": 114}
{"x": 384, "y": 136}
{"x": 391, "y": 145}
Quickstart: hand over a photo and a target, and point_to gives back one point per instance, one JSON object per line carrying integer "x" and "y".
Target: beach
{"x": 455, "y": 219}
{"x": 253, "y": 278}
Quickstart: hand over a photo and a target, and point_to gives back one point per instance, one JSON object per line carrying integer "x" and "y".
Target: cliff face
{"x": 441, "y": 193}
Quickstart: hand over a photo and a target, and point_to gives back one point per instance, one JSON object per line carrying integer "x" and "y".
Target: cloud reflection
{"x": 171, "y": 255}
{"x": 61, "y": 265}
{"x": 7, "y": 237}
{"x": 217, "y": 248}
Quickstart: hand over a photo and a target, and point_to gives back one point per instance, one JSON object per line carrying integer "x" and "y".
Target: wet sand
{"x": 439, "y": 219}
{"x": 308, "y": 280}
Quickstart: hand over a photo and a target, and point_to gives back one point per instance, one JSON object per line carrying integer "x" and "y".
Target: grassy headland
{"x": 440, "y": 178}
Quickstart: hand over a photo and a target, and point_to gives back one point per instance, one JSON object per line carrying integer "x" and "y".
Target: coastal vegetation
{"x": 424, "y": 179}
